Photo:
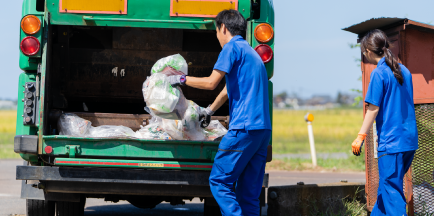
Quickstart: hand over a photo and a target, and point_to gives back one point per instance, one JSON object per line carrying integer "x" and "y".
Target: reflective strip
{"x": 230, "y": 150}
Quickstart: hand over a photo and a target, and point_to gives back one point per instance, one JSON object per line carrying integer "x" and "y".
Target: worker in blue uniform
{"x": 390, "y": 99}
{"x": 242, "y": 153}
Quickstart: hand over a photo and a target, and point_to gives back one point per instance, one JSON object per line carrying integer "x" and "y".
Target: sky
{"x": 312, "y": 56}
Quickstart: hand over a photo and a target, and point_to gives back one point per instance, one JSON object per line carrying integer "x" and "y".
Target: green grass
{"x": 334, "y": 131}
{"x": 7, "y": 133}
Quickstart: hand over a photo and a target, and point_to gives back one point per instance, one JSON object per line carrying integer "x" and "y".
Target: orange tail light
{"x": 30, "y": 24}
{"x": 264, "y": 33}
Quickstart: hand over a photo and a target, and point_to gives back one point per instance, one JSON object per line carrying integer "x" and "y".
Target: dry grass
{"x": 7, "y": 133}
{"x": 334, "y": 131}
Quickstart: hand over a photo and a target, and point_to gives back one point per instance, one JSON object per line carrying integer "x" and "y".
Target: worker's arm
{"x": 206, "y": 113}
{"x": 370, "y": 116}
{"x": 220, "y": 100}
{"x": 206, "y": 83}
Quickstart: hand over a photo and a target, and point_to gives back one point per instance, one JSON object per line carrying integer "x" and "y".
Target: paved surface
{"x": 325, "y": 156}
{"x": 11, "y": 204}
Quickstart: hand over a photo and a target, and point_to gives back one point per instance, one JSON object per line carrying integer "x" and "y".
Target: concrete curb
{"x": 312, "y": 199}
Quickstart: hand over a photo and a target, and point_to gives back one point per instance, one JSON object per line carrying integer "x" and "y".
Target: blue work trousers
{"x": 390, "y": 195}
{"x": 240, "y": 158}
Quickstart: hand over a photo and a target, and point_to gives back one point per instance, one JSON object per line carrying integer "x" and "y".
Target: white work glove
{"x": 177, "y": 80}
{"x": 205, "y": 115}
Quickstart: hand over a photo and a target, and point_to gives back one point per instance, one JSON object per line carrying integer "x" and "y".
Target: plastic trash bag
{"x": 215, "y": 131}
{"x": 161, "y": 98}
{"x": 111, "y": 131}
{"x": 153, "y": 131}
{"x": 159, "y": 95}
{"x": 171, "y": 65}
{"x": 71, "y": 125}
{"x": 191, "y": 123}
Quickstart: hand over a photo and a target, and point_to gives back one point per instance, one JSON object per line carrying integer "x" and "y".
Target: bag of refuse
{"x": 161, "y": 98}
{"x": 153, "y": 131}
{"x": 171, "y": 65}
{"x": 174, "y": 128}
{"x": 71, "y": 125}
{"x": 111, "y": 131}
{"x": 191, "y": 123}
{"x": 159, "y": 95}
{"x": 215, "y": 131}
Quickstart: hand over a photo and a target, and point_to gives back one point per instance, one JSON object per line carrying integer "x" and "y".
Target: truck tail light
{"x": 30, "y": 45}
{"x": 30, "y": 24}
{"x": 48, "y": 149}
{"x": 264, "y": 33}
{"x": 265, "y": 52}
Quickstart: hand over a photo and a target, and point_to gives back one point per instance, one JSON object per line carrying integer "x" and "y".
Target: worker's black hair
{"x": 234, "y": 22}
{"x": 377, "y": 42}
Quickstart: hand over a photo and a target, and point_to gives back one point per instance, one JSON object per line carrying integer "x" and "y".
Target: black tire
{"x": 40, "y": 207}
{"x": 212, "y": 211}
{"x": 70, "y": 208}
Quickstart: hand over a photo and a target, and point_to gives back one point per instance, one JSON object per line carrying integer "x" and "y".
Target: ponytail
{"x": 376, "y": 41}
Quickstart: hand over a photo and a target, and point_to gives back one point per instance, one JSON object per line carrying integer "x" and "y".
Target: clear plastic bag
{"x": 111, "y": 131}
{"x": 174, "y": 128}
{"x": 159, "y": 95}
{"x": 171, "y": 65}
{"x": 71, "y": 125}
{"x": 215, "y": 131}
{"x": 191, "y": 123}
{"x": 153, "y": 131}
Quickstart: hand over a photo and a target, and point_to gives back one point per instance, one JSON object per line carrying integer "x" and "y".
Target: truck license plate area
{"x": 132, "y": 164}
{"x": 200, "y": 8}
{"x": 93, "y": 6}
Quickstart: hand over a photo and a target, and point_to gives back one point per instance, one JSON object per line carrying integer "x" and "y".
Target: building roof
{"x": 386, "y": 22}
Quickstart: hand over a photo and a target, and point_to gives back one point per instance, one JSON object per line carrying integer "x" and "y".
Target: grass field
{"x": 334, "y": 131}
{"x": 7, "y": 133}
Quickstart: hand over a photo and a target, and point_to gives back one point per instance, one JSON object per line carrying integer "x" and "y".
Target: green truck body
{"x": 73, "y": 69}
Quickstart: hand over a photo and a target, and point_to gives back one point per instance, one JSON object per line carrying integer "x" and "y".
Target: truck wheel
{"x": 211, "y": 208}
{"x": 70, "y": 208}
{"x": 212, "y": 211}
{"x": 39, "y": 208}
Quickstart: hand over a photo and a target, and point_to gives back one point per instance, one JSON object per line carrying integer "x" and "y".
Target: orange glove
{"x": 358, "y": 143}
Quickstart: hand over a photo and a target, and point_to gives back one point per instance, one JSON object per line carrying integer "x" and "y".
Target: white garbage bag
{"x": 161, "y": 98}
{"x": 153, "y": 131}
{"x": 215, "y": 130}
{"x": 71, "y": 125}
{"x": 159, "y": 95}
{"x": 191, "y": 123}
{"x": 111, "y": 131}
{"x": 174, "y": 128}
{"x": 171, "y": 65}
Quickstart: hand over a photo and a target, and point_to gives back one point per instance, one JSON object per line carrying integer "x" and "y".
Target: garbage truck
{"x": 90, "y": 58}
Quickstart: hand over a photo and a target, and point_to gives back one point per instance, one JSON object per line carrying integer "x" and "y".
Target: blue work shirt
{"x": 247, "y": 85}
{"x": 396, "y": 119}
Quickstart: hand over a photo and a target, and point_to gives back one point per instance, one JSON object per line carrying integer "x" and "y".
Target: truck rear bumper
{"x": 120, "y": 181}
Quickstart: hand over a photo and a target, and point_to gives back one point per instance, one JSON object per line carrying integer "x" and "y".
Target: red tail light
{"x": 265, "y": 52}
{"x": 48, "y": 149}
{"x": 30, "y": 45}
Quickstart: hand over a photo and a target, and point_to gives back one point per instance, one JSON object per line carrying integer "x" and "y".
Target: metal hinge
{"x": 72, "y": 150}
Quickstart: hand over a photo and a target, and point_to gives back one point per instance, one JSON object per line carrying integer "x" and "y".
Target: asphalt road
{"x": 11, "y": 204}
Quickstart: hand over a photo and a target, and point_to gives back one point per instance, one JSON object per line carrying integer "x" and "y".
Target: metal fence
{"x": 419, "y": 181}
{"x": 423, "y": 163}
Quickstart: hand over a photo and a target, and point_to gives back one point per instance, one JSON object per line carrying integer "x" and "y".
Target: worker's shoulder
{"x": 404, "y": 69}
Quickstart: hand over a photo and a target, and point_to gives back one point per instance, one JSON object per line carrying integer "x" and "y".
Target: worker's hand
{"x": 358, "y": 143}
{"x": 177, "y": 80}
{"x": 205, "y": 116}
